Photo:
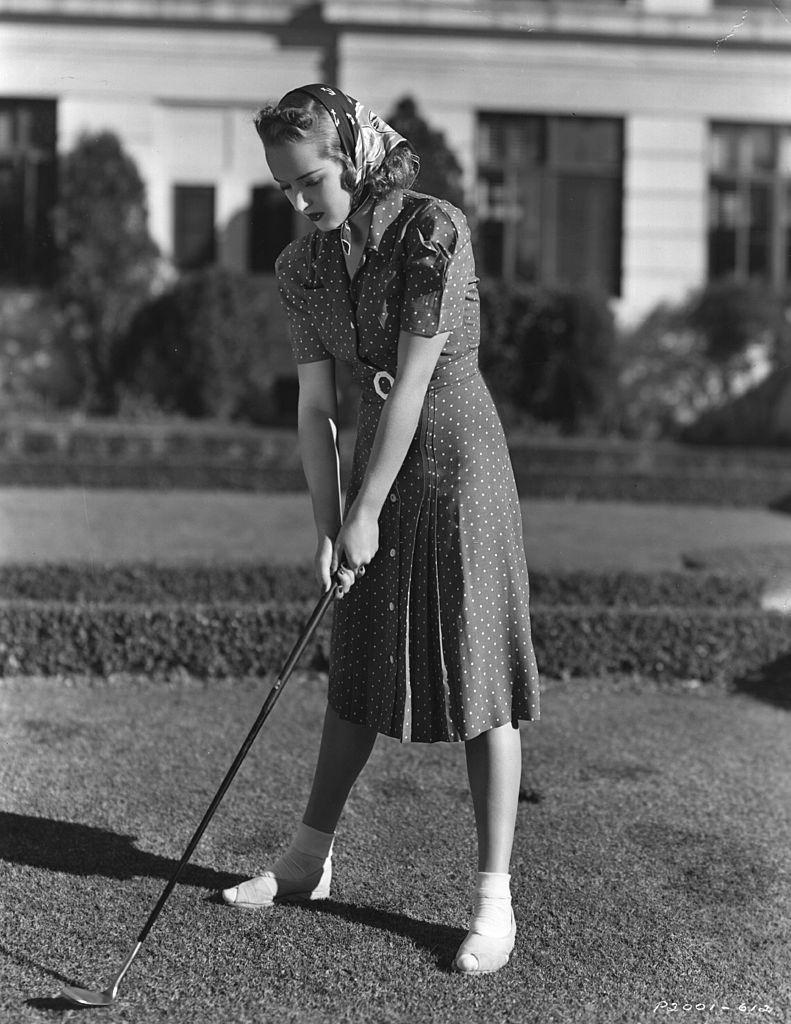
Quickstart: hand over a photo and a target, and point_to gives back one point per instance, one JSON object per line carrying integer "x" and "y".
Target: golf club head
{"x": 88, "y": 997}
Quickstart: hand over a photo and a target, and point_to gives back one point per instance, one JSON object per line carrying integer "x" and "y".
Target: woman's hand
{"x": 356, "y": 544}
{"x": 322, "y": 561}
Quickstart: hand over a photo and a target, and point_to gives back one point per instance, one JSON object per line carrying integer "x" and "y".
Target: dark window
{"x": 749, "y": 208}
{"x": 28, "y": 190}
{"x": 193, "y": 226}
{"x": 549, "y": 199}
{"x": 271, "y": 228}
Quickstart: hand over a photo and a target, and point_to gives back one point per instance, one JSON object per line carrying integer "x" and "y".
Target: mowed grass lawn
{"x": 56, "y": 525}
{"x": 651, "y": 860}
{"x": 650, "y": 869}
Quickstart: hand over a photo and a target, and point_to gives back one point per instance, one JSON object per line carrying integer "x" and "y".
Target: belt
{"x": 376, "y": 384}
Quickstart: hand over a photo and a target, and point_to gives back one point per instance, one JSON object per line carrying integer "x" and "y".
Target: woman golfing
{"x": 431, "y": 639}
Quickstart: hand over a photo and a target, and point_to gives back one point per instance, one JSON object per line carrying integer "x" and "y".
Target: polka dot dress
{"x": 433, "y": 642}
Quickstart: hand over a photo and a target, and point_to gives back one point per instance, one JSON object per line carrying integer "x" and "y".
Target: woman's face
{"x": 311, "y": 181}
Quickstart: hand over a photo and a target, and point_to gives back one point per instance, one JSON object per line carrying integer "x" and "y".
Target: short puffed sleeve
{"x": 292, "y": 280}
{"x": 435, "y": 279}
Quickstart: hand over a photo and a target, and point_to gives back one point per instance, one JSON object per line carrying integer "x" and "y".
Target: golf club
{"x": 106, "y": 996}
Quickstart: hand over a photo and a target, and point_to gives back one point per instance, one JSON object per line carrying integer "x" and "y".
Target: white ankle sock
{"x": 491, "y": 914}
{"x": 308, "y": 851}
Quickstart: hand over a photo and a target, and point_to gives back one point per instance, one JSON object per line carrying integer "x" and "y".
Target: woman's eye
{"x": 305, "y": 184}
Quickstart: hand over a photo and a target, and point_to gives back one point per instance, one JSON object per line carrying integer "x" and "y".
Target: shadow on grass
{"x": 771, "y": 683}
{"x": 48, "y": 1003}
{"x": 27, "y": 961}
{"x": 441, "y": 940}
{"x": 85, "y": 850}
{"x": 55, "y": 1004}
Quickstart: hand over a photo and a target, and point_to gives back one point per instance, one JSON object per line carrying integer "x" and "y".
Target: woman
{"x": 432, "y": 642}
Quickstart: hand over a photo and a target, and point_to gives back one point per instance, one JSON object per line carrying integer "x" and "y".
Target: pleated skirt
{"x": 433, "y": 643}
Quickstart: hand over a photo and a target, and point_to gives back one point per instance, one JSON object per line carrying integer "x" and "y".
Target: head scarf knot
{"x": 366, "y": 139}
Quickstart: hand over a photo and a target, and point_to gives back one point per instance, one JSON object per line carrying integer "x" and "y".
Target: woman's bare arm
{"x": 417, "y": 358}
{"x": 358, "y": 539}
{"x": 317, "y": 420}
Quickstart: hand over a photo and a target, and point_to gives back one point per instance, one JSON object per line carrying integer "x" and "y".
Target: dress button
{"x": 392, "y": 552}
{"x": 392, "y": 659}
{"x": 393, "y": 497}
{"x": 392, "y": 606}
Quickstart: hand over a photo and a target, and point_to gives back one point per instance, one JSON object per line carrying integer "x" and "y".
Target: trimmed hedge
{"x": 725, "y": 491}
{"x": 156, "y": 475}
{"x": 210, "y": 456}
{"x": 756, "y": 491}
{"x": 148, "y": 583}
{"x": 233, "y": 640}
{"x": 742, "y": 560}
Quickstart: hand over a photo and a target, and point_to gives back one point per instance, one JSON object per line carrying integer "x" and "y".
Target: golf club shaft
{"x": 268, "y": 704}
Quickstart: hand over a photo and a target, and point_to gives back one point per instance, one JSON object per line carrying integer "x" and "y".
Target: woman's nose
{"x": 300, "y": 203}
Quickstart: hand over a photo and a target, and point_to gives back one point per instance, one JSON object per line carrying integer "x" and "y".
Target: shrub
{"x": 201, "y": 348}
{"x": 688, "y": 358}
{"x": 759, "y": 417}
{"x": 107, "y": 261}
{"x": 550, "y": 352}
{"x": 440, "y": 172}
{"x": 226, "y": 640}
{"x": 145, "y": 583}
{"x": 35, "y": 374}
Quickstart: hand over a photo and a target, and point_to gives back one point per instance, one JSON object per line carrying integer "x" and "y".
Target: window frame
{"x": 182, "y": 189}
{"x": 284, "y": 215}
{"x": 775, "y": 181}
{"x": 548, "y": 173}
{"x": 29, "y": 163}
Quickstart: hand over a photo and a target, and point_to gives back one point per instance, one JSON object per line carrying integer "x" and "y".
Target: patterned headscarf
{"x": 364, "y": 136}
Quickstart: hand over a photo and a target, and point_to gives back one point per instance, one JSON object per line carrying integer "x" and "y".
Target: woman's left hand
{"x": 356, "y": 544}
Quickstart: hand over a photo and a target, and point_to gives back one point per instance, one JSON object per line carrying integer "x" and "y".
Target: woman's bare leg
{"x": 344, "y": 751}
{"x": 305, "y": 869}
{"x": 494, "y": 767}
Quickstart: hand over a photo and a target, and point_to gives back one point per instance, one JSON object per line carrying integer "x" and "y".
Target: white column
{"x": 665, "y": 210}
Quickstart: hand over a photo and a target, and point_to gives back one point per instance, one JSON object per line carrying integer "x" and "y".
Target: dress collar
{"x": 384, "y": 213}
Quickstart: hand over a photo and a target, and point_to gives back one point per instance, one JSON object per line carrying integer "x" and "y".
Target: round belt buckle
{"x": 379, "y": 378}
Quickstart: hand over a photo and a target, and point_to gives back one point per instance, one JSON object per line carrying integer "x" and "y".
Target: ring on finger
{"x": 360, "y": 570}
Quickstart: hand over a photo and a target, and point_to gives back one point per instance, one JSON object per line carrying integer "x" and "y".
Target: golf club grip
{"x": 310, "y": 627}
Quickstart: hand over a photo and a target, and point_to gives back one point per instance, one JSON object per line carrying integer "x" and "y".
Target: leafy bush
{"x": 759, "y": 417}
{"x": 687, "y": 358}
{"x": 550, "y": 352}
{"x": 440, "y": 172}
{"x": 35, "y": 372}
{"x": 201, "y": 348}
{"x": 145, "y": 583}
{"x": 198, "y": 455}
{"x": 108, "y": 263}
{"x": 227, "y": 640}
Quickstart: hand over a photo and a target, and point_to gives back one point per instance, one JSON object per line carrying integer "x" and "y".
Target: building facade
{"x": 640, "y": 147}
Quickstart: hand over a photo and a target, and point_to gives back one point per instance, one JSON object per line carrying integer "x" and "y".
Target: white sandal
{"x": 267, "y": 888}
{"x": 485, "y": 954}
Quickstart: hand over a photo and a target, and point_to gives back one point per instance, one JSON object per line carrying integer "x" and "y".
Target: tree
{"x": 549, "y": 352}
{"x": 107, "y": 260}
{"x": 204, "y": 347}
{"x": 687, "y": 358}
{"x": 440, "y": 172}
